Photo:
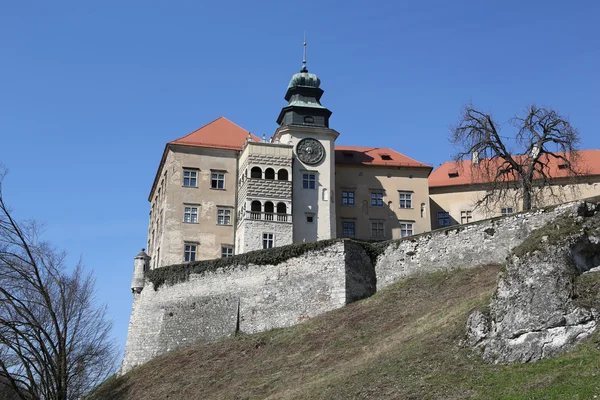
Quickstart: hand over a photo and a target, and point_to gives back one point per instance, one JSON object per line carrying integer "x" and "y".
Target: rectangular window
{"x": 405, "y": 199}
{"x": 223, "y": 216}
{"x": 309, "y": 181}
{"x": 377, "y": 230}
{"x": 189, "y": 252}
{"x": 506, "y": 210}
{"x": 347, "y": 198}
{"x": 465, "y": 217}
{"x": 376, "y": 199}
{"x": 348, "y": 228}
{"x": 443, "y": 218}
{"x": 190, "y": 214}
{"x": 217, "y": 180}
{"x": 310, "y": 218}
{"x": 226, "y": 251}
{"x": 406, "y": 229}
{"x": 190, "y": 178}
{"x": 268, "y": 240}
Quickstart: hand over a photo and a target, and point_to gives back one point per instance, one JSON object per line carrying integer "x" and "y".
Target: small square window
{"x": 309, "y": 181}
{"x": 189, "y": 252}
{"x": 376, "y": 199}
{"x": 506, "y": 210}
{"x": 466, "y": 217}
{"x": 443, "y": 218}
{"x": 226, "y": 251}
{"x": 405, "y": 199}
{"x": 377, "y": 230}
{"x": 310, "y": 218}
{"x": 190, "y": 214}
{"x": 217, "y": 180}
{"x": 223, "y": 216}
{"x": 268, "y": 240}
{"x": 406, "y": 229}
{"x": 190, "y": 178}
{"x": 348, "y": 228}
{"x": 347, "y": 198}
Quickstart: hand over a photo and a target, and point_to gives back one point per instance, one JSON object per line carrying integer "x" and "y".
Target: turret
{"x": 141, "y": 264}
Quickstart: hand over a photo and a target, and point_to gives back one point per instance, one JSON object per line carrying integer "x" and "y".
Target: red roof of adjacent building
{"x": 379, "y": 156}
{"x": 219, "y": 134}
{"x": 451, "y": 173}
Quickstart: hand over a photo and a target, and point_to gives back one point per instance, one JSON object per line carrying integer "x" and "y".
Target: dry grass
{"x": 401, "y": 343}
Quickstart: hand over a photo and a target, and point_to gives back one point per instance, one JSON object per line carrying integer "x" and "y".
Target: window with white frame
{"x": 217, "y": 180}
{"x": 348, "y": 229}
{"x": 466, "y": 217}
{"x": 506, "y": 210}
{"x": 377, "y": 229}
{"x": 226, "y": 251}
{"x": 268, "y": 240}
{"x": 190, "y": 178}
{"x": 223, "y": 216}
{"x": 405, "y": 200}
{"x": 190, "y": 214}
{"x": 443, "y": 218}
{"x": 348, "y": 198}
{"x": 406, "y": 228}
{"x": 189, "y": 254}
{"x": 309, "y": 181}
{"x": 376, "y": 199}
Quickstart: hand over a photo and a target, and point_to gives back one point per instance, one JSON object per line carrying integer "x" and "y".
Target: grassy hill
{"x": 402, "y": 343}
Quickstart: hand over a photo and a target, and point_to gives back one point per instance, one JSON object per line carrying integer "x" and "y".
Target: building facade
{"x": 221, "y": 190}
{"x": 455, "y": 189}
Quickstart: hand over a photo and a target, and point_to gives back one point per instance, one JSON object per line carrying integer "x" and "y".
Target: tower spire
{"x": 304, "y": 69}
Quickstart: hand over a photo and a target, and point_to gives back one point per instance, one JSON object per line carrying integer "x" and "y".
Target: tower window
{"x": 308, "y": 181}
{"x": 405, "y": 199}
{"x": 309, "y": 120}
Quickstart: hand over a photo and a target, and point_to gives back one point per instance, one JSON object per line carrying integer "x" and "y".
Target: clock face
{"x": 310, "y": 151}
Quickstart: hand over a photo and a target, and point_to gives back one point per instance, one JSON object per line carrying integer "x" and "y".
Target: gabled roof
{"x": 377, "y": 156}
{"x": 452, "y": 174}
{"x": 219, "y": 134}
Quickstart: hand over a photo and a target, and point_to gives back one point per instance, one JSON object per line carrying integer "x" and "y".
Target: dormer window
{"x": 453, "y": 174}
{"x": 386, "y": 157}
{"x": 563, "y": 166}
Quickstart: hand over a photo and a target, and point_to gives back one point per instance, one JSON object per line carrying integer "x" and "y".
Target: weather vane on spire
{"x": 304, "y": 69}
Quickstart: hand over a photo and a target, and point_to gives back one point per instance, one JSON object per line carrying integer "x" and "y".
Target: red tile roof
{"x": 379, "y": 156}
{"x": 452, "y": 174}
{"x": 219, "y": 134}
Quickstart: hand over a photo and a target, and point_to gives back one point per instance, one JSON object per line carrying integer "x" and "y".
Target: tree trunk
{"x": 527, "y": 196}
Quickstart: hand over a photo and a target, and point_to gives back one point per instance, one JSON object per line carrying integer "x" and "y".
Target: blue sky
{"x": 90, "y": 92}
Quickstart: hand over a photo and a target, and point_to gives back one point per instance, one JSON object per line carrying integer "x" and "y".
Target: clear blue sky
{"x": 90, "y": 92}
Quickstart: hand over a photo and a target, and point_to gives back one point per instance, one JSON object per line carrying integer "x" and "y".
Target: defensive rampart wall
{"x": 256, "y": 297}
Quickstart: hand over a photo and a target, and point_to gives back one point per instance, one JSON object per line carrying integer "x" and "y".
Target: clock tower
{"x": 304, "y": 124}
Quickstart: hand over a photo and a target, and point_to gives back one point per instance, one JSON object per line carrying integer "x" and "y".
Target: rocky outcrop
{"x": 533, "y": 314}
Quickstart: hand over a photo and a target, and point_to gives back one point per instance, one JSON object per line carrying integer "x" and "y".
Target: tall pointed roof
{"x": 219, "y": 134}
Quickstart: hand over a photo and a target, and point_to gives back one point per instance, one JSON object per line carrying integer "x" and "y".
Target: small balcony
{"x": 268, "y": 216}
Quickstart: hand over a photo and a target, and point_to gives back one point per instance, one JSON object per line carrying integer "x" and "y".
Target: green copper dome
{"x": 304, "y": 79}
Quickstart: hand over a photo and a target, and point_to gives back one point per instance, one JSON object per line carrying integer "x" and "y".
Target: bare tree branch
{"x": 542, "y": 135}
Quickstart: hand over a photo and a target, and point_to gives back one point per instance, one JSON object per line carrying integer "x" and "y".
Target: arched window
{"x": 269, "y": 173}
{"x": 269, "y": 208}
{"x": 282, "y": 175}
{"x": 255, "y": 209}
{"x": 256, "y": 172}
{"x": 281, "y": 212}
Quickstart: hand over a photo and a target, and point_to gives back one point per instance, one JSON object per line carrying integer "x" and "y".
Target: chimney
{"x": 475, "y": 157}
{"x": 535, "y": 150}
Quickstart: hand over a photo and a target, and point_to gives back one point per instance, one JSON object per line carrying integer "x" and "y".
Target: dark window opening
{"x": 386, "y": 157}
{"x": 269, "y": 173}
{"x": 256, "y": 172}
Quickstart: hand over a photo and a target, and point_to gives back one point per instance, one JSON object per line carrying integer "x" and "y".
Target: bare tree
{"x": 54, "y": 342}
{"x": 543, "y": 139}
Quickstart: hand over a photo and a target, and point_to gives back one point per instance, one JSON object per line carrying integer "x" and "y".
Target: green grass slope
{"x": 401, "y": 343}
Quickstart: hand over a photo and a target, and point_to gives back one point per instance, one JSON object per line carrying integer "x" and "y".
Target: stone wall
{"x": 255, "y": 298}
{"x": 248, "y": 299}
{"x": 463, "y": 246}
